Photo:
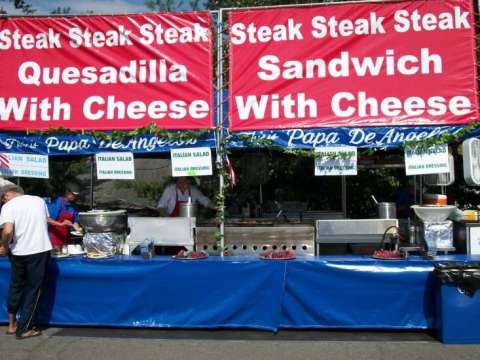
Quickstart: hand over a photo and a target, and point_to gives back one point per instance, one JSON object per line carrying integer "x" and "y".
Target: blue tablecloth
{"x": 233, "y": 292}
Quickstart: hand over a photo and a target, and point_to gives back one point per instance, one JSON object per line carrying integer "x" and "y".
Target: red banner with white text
{"x": 106, "y": 72}
{"x": 362, "y": 64}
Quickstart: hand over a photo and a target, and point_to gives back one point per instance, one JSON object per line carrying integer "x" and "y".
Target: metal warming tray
{"x": 252, "y": 240}
{"x": 163, "y": 231}
{"x": 352, "y": 231}
{"x": 104, "y": 221}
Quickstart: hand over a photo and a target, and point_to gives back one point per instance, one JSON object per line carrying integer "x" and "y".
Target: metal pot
{"x": 188, "y": 209}
{"x": 101, "y": 221}
{"x": 387, "y": 210}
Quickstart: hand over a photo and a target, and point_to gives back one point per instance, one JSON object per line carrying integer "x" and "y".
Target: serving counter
{"x": 238, "y": 292}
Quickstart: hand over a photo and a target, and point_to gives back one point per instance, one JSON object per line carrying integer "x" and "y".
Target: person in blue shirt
{"x": 64, "y": 213}
{"x": 404, "y": 198}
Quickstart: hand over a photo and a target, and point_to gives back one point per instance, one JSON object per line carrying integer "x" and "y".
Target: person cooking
{"x": 404, "y": 198}
{"x": 180, "y": 192}
{"x": 63, "y": 216}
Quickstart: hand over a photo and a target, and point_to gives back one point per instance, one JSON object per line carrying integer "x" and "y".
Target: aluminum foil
{"x": 103, "y": 243}
{"x": 438, "y": 235}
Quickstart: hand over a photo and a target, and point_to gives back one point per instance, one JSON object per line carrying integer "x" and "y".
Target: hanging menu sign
{"x": 191, "y": 162}
{"x": 24, "y": 165}
{"x": 431, "y": 160}
{"x": 115, "y": 165}
{"x": 335, "y": 161}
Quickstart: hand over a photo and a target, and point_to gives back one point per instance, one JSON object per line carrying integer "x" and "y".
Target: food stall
{"x": 244, "y": 287}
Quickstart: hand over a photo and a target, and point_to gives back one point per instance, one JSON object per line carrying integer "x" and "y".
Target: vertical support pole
{"x": 260, "y": 199}
{"x": 219, "y": 129}
{"x": 415, "y": 190}
{"x": 92, "y": 160}
{"x": 420, "y": 191}
{"x": 344, "y": 196}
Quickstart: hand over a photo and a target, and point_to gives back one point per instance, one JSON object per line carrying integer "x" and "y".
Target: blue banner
{"x": 88, "y": 145}
{"x": 362, "y": 137}
{"x": 369, "y": 137}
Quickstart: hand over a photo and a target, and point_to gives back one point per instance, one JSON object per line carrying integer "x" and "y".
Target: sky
{"x": 44, "y": 7}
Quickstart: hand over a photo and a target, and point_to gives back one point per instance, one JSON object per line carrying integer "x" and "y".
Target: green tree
{"x": 61, "y": 11}
{"x": 163, "y": 5}
{"x": 22, "y": 5}
{"x": 171, "y": 5}
{"x": 217, "y": 4}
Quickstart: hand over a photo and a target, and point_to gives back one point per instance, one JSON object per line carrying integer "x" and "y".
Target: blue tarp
{"x": 237, "y": 292}
{"x": 159, "y": 293}
{"x": 359, "y": 293}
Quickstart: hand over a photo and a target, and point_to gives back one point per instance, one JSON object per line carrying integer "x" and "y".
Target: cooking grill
{"x": 251, "y": 241}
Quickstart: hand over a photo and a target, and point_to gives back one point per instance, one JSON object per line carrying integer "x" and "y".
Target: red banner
{"x": 106, "y": 72}
{"x": 364, "y": 64}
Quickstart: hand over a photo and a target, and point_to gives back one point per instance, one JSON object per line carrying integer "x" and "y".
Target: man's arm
{"x": 65, "y": 222}
{"x": 162, "y": 212}
{"x": 7, "y": 234}
{"x": 162, "y": 204}
{"x": 202, "y": 199}
{"x": 76, "y": 220}
{"x": 53, "y": 208}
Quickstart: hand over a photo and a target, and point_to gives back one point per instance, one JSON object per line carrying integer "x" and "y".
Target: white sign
{"x": 191, "y": 162}
{"x": 432, "y": 160}
{"x": 471, "y": 161}
{"x": 473, "y": 246}
{"x": 334, "y": 161}
{"x": 115, "y": 165}
{"x": 24, "y": 165}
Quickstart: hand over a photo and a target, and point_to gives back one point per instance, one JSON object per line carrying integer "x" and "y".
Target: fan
{"x": 444, "y": 179}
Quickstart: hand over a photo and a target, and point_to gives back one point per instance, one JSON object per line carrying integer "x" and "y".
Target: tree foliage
{"x": 62, "y": 11}
{"x": 217, "y": 4}
{"x": 21, "y": 5}
{"x": 172, "y": 5}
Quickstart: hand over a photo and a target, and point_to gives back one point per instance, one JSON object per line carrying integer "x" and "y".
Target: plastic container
{"x": 147, "y": 249}
{"x": 435, "y": 199}
{"x": 470, "y": 215}
{"x": 458, "y": 304}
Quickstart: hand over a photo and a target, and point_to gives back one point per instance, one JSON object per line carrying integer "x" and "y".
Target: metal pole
{"x": 8, "y": 16}
{"x": 260, "y": 199}
{"x": 219, "y": 148}
{"x": 344, "y": 196}
{"x": 91, "y": 180}
{"x": 415, "y": 190}
{"x": 420, "y": 190}
{"x": 353, "y": 2}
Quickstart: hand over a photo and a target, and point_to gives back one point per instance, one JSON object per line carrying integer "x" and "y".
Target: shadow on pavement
{"x": 227, "y": 334}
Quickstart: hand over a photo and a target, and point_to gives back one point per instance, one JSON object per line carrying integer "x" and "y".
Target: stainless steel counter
{"x": 165, "y": 231}
{"x": 351, "y": 231}
{"x": 251, "y": 240}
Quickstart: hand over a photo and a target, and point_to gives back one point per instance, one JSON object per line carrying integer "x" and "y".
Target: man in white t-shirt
{"x": 24, "y": 220}
{"x": 180, "y": 192}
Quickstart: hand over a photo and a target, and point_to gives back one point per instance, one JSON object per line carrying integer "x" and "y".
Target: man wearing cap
{"x": 24, "y": 220}
{"x": 63, "y": 215}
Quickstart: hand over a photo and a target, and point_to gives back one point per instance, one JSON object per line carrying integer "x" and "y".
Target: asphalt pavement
{"x": 159, "y": 344}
